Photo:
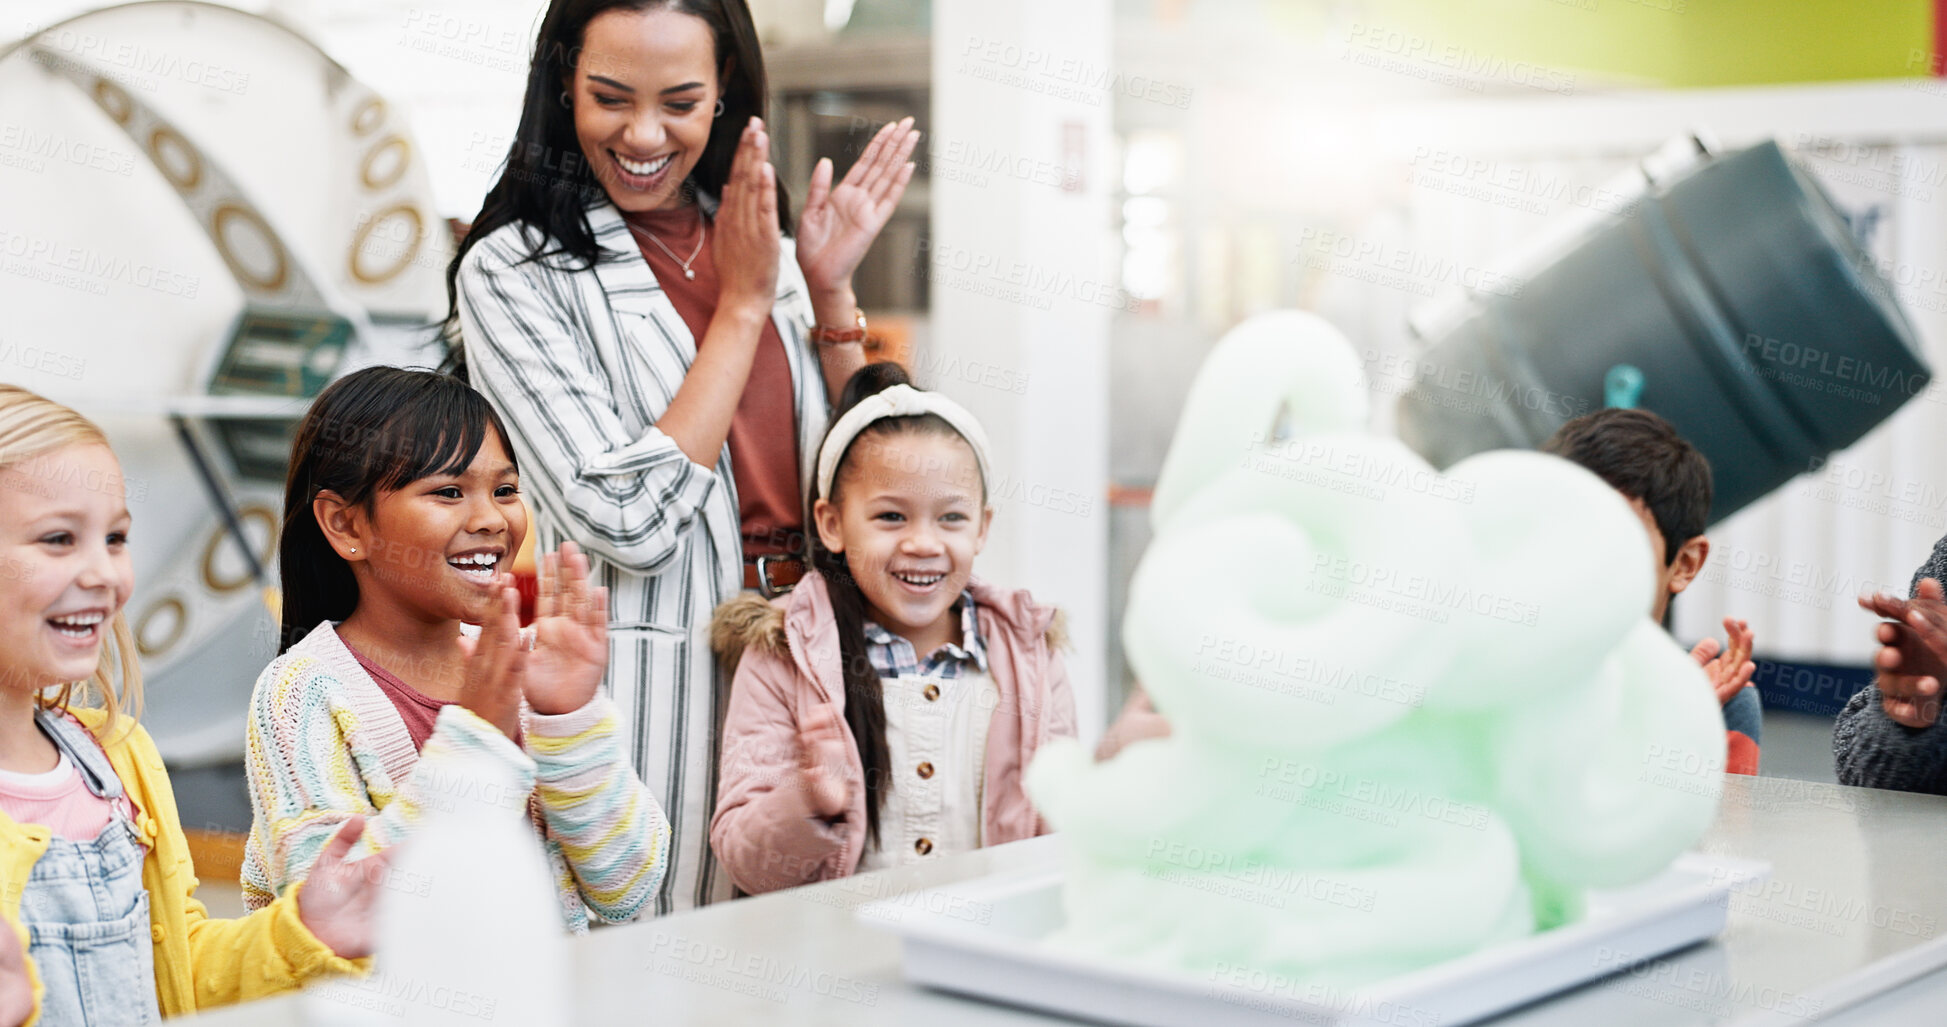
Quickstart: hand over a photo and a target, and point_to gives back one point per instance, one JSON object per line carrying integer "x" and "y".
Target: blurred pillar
{"x": 1022, "y": 261}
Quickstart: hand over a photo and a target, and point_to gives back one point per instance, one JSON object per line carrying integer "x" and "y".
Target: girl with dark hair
{"x": 401, "y": 513}
{"x": 662, "y": 353}
{"x": 884, "y": 711}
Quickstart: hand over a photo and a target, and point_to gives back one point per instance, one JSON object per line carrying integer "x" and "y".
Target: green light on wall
{"x": 1681, "y": 43}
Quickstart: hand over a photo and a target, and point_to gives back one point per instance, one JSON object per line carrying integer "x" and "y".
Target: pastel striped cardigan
{"x": 325, "y": 743}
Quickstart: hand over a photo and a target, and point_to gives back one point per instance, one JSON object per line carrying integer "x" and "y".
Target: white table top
{"x": 1855, "y": 911}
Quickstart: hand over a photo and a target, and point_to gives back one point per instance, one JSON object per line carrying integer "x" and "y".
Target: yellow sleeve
{"x": 266, "y": 953}
{"x": 33, "y": 975}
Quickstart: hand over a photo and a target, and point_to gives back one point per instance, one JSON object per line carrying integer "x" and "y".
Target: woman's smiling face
{"x": 645, "y": 91}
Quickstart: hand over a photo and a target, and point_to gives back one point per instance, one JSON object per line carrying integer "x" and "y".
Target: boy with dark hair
{"x": 1667, "y": 483}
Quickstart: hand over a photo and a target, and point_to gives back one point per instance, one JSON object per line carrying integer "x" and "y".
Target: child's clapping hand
{"x": 1729, "y": 669}
{"x": 821, "y": 759}
{"x": 339, "y": 900}
{"x": 570, "y": 635}
{"x": 496, "y": 665}
{"x": 1912, "y": 659}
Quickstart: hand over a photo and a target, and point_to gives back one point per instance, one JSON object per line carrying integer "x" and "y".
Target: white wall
{"x": 1023, "y": 275}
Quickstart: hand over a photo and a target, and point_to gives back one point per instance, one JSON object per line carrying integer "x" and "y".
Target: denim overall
{"x": 86, "y": 912}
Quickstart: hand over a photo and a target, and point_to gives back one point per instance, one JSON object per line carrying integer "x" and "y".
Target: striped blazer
{"x": 580, "y": 363}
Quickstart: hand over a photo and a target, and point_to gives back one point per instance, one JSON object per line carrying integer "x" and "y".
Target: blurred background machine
{"x": 232, "y": 221}
{"x": 1726, "y": 294}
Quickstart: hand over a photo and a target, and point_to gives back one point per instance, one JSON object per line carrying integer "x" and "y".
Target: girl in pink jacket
{"x": 883, "y": 711}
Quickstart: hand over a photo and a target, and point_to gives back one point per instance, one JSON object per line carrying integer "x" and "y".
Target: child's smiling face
{"x": 438, "y": 545}
{"x": 65, "y": 570}
{"x": 909, "y": 522}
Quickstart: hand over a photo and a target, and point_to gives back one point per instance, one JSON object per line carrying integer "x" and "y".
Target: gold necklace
{"x": 702, "y": 234}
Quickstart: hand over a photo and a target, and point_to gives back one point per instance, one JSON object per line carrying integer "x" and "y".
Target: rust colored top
{"x": 764, "y": 430}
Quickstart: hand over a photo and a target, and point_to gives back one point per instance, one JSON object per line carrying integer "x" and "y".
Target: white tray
{"x": 982, "y": 938}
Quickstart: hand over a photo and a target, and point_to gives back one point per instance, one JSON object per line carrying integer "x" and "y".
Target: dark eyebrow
{"x": 612, "y": 84}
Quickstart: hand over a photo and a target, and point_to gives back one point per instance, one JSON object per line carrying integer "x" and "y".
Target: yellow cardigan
{"x": 199, "y": 962}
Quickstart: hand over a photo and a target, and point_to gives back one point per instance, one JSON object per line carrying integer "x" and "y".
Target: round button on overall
{"x": 932, "y": 693}
{"x": 923, "y": 846}
{"x": 925, "y": 770}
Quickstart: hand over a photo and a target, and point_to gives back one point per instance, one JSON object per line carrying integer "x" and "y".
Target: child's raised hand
{"x": 570, "y": 635}
{"x": 1731, "y": 669}
{"x": 1912, "y": 659}
{"x": 496, "y": 662}
{"x": 821, "y": 760}
{"x": 339, "y": 901}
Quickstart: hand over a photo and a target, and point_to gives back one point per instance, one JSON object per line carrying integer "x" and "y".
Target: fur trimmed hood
{"x": 745, "y": 622}
{"x": 749, "y": 621}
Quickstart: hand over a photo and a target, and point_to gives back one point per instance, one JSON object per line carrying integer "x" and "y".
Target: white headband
{"x": 898, "y": 401}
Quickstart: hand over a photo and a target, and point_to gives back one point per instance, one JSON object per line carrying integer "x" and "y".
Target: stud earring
{"x": 353, "y": 549}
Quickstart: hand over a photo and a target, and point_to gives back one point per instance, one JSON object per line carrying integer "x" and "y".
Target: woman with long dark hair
{"x": 663, "y": 354}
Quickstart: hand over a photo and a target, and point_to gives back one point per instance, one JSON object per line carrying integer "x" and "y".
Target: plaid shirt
{"x": 893, "y": 656}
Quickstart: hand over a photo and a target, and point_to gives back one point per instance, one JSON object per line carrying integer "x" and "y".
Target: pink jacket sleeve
{"x": 764, "y": 832}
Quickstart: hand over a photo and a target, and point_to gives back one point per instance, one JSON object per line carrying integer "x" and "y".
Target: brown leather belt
{"x": 772, "y": 576}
